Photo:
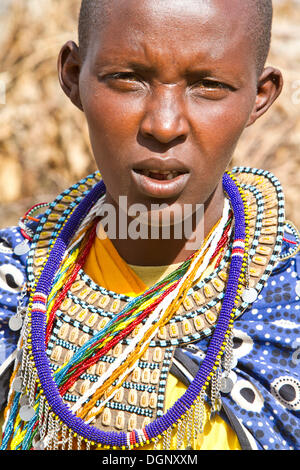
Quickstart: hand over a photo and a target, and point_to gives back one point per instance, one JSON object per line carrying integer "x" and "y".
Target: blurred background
{"x": 44, "y": 145}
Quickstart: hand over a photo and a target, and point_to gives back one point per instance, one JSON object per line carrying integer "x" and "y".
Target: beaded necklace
{"x": 190, "y": 404}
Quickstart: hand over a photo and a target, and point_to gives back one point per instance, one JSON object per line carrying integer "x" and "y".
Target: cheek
{"x": 112, "y": 122}
{"x": 112, "y": 129}
{"x": 217, "y": 127}
{"x": 220, "y": 124}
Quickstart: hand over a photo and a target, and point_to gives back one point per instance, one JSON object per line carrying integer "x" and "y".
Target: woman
{"x": 133, "y": 339}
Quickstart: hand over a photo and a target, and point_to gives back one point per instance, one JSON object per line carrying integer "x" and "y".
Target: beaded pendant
{"x": 208, "y": 309}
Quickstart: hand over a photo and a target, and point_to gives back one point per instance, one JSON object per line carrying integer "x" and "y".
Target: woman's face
{"x": 167, "y": 91}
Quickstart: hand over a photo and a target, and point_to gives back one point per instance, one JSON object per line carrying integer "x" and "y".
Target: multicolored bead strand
{"x": 38, "y": 333}
{"x": 195, "y": 320}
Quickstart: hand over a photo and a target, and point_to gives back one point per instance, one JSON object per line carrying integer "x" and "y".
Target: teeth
{"x": 161, "y": 174}
{"x": 167, "y": 174}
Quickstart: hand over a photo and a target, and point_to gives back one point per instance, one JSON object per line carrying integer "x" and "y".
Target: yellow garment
{"x": 150, "y": 275}
{"x": 105, "y": 266}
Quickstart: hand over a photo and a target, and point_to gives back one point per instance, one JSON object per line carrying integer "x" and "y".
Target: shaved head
{"x": 169, "y": 84}
{"x": 94, "y": 14}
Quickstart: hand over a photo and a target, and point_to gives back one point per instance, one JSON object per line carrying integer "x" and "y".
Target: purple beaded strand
{"x": 38, "y": 329}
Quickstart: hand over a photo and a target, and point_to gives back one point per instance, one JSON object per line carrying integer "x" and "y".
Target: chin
{"x": 171, "y": 221}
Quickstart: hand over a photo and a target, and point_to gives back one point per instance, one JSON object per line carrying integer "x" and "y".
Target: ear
{"x": 269, "y": 87}
{"x": 69, "y": 65}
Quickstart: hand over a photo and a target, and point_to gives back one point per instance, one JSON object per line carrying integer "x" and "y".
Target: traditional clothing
{"x": 253, "y": 398}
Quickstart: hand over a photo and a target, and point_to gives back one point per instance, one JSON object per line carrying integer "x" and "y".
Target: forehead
{"x": 173, "y": 29}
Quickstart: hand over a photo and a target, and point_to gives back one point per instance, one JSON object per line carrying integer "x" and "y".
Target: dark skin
{"x": 162, "y": 82}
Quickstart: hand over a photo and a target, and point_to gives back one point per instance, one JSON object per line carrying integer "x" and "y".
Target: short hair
{"x": 93, "y": 12}
{"x": 261, "y": 31}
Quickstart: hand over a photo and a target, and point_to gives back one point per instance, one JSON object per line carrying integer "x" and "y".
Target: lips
{"x": 160, "y": 177}
{"x": 160, "y": 174}
{"x": 158, "y": 184}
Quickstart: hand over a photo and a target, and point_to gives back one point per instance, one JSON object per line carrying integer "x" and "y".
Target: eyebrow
{"x": 204, "y": 72}
{"x": 196, "y": 70}
{"x": 119, "y": 62}
{"x": 140, "y": 66}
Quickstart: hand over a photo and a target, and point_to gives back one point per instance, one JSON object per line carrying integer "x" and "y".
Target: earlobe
{"x": 269, "y": 87}
{"x": 68, "y": 72}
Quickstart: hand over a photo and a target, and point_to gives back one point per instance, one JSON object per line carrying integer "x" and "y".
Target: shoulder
{"x": 281, "y": 292}
{"x": 13, "y": 250}
{"x": 15, "y": 245}
{"x": 286, "y": 273}
{"x": 12, "y": 280}
{"x": 290, "y": 244}
{"x": 266, "y": 348}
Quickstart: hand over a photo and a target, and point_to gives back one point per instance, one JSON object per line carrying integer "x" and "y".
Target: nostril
{"x": 164, "y": 142}
{"x": 166, "y": 124}
{"x": 151, "y": 143}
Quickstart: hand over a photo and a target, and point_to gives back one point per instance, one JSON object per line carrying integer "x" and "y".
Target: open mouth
{"x": 160, "y": 174}
{"x": 166, "y": 180}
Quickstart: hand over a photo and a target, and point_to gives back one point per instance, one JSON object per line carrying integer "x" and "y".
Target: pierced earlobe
{"x": 68, "y": 72}
{"x": 269, "y": 87}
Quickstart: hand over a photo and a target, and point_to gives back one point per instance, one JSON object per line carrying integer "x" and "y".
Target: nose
{"x": 165, "y": 119}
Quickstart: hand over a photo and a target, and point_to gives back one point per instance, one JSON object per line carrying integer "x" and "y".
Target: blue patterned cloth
{"x": 12, "y": 277}
{"x": 265, "y": 398}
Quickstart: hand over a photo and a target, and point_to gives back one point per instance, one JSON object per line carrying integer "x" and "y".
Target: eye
{"x": 212, "y": 84}
{"x": 124, "y": 81}
{"x": 129, "y": 76}
{"x": 211, "y": 89}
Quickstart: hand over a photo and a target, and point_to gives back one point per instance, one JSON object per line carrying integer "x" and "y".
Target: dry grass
{"x": 273, "y": 142}
{"x": 44, "y": 143}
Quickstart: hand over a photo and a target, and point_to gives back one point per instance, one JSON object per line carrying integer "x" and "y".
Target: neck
{"x": 160, "y": 251}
